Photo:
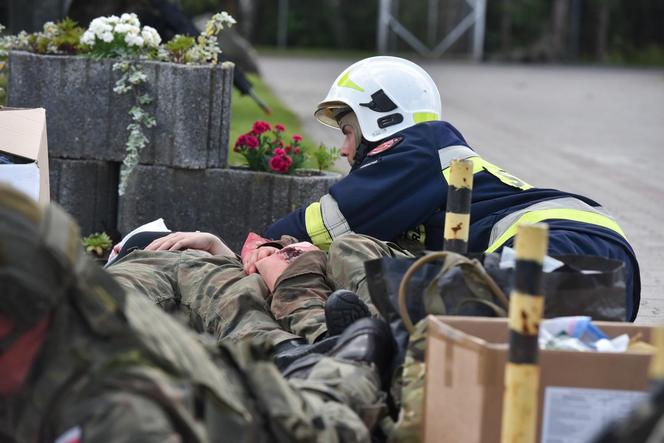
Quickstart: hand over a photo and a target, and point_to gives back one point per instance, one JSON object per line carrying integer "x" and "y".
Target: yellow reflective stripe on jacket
{"x": 462, "y": 152}
{"x": 479, "y": 165}
{"x": 313, "y": 220}
{"x": 593, "y": 218}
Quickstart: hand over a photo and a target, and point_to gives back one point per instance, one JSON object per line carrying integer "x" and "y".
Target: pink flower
{"x": 297, "y": 138}
{"x": 281, "y": 163}
{"x": 297, "y": 150}
{"x": 279, "y": 152}
{"x": 277, "y": 163}
{"x": 260, "y": 127}
{"x": 279, "y": 127}
{"x": 251, "y": 142}
{"x": 241, "y": 140}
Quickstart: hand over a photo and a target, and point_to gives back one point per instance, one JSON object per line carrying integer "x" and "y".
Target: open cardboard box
{"x": 23, "y": 136}
{"x": 466, "y": 358}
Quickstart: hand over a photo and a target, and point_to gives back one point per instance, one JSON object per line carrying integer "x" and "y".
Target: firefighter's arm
{"x": 385, "y": 197}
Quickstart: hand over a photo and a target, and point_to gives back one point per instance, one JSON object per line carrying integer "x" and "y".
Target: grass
{"x": 244, "y": 112}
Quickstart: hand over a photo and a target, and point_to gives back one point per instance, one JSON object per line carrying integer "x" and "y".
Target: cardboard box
{"x": 579, "y": 391}
{"x": 23, "y": 135}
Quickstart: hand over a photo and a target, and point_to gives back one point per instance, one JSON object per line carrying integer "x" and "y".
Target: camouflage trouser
{"x": 331, "y": 401}
{"x": 347, "y": 255}
{"x": 213, "y": 294}
{"x": 411, "y": 386}
{"x": 299, "y": 298}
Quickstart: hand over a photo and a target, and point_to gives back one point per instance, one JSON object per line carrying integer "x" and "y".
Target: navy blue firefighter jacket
{"x": 400, "y": 189}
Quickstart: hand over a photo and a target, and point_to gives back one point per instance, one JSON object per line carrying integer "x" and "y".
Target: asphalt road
{"x": 594, "y": 131}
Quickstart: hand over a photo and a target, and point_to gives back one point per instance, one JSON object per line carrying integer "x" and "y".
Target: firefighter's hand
{"x": 256, "y": 255}
{"x": 202, "y": 241}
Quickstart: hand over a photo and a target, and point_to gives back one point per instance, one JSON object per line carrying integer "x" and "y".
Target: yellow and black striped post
{"x": 525, "y": 314}
{"x": 657, "y": 362}
{"x": 457, "y": 217}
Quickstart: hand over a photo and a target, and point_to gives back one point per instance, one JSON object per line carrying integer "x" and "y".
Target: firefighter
{"x": 400, "y": 149}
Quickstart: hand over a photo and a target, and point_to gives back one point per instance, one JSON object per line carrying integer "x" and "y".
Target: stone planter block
{"x": 88, "y": 190}
{"x": 87, "y": 120}
{"x": 226, "y": 202}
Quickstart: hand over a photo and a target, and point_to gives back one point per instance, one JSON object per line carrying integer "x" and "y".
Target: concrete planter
{"x": 227, "y": 202}
{"x": 86, "y": 120}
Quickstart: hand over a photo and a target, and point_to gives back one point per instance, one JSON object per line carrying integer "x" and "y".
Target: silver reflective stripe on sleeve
{"x": 334, "y": 220}
{"x": 560, "y": 203}
{"x": 456, "y": 152}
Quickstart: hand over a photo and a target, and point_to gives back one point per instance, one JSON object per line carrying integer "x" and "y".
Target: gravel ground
{"x": 591, "y": 130}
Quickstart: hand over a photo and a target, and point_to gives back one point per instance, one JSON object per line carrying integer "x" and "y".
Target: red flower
{"x": 297, "y": 138}
{"x": 297, "y": 150}
{"x": 260, "y": 127}
{"x": 279, "y": 151}
{"x": 288, "y": 149}
{"x": 251, "y": 142}
{"x": 280, "y": 163}
{"x": 277, "y": 163}
{"x": 241, "y": 140}
{"x": 279, "y": 127}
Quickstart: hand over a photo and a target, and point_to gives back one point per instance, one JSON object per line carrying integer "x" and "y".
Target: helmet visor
{"x": 329, "y": 112}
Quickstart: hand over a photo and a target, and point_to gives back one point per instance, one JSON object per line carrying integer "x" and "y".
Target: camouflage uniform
{"x": 210, "y": 293}
{"x": 298, "y": 302}
{"x": 347, "y": 255}
{"x": 116, "y": 368}
{"x": 213, "y": 294}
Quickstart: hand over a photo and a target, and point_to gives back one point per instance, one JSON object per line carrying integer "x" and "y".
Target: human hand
{"x": 202, "y": 241}
{"x": 254, "y": 256}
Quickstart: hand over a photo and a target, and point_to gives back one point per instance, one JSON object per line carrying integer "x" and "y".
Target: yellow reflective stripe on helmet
{"x": 536, "y": 216}
{"x": 346, "y": 82}
{"x": 420, "y": 117}
{"x": 313, "y": 220}
{"x": 479, "y": 165}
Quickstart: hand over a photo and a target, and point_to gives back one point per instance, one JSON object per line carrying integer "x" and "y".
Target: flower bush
{"x": 265, "y": 148}
{"x": 110, "y": 37}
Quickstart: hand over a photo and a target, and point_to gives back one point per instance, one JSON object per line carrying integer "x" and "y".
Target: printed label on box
{"x": 575, "y": 415}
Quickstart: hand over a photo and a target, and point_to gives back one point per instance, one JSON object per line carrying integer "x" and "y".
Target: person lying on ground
{"x": 82, "y": 359}
{"x": 196, "y": 277}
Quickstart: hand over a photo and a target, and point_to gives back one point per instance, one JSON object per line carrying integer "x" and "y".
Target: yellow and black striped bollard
{"x": 457, "y": 216}
{"x": 525, "y": 313}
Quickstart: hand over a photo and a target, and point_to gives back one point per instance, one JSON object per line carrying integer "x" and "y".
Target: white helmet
{"x": 387, "y": 94}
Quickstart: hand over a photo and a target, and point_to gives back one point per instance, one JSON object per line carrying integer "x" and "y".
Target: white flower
{"x": 99, "y": 26}
{"x": 226, "y": 18}
{"x": 107, "y": 37}
{"x": 50, "y": 28}
{"x": 113, "y": 19}
{"x": 123, "y": 28}
{"x": 88, "y": 38}
{"x": 134, "y": 40}
{"x": 130, "y": 19}
{"x": 150, "y": 36}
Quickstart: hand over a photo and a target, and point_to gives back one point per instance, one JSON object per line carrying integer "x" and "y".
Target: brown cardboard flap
{"x": 22, "y": 131}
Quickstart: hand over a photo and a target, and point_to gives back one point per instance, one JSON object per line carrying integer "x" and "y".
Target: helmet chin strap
{"x": 362, "y": 145}
{"x": 361, "y": 152}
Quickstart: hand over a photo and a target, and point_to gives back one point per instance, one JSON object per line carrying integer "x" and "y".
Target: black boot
{"x": 289, "y": 351}
{"x": 342, "y": 309}
{"x": 368, "y": 340}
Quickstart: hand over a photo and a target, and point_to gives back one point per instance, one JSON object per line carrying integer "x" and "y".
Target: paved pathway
{"x": 595, "y": 131}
